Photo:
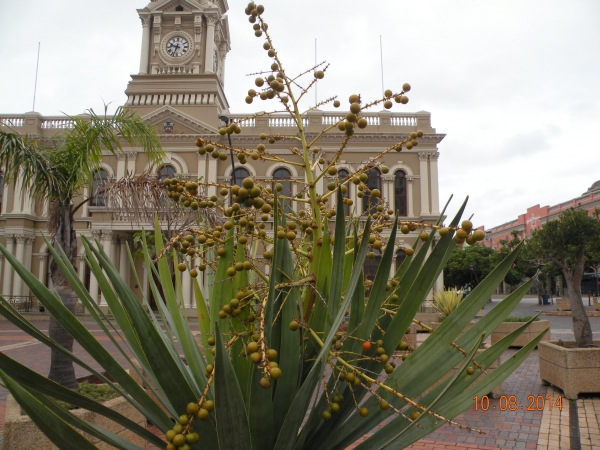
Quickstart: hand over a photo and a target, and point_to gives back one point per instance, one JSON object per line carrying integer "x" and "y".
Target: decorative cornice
{"x": 434, "y": 156}
{"x": 145, "y": 21}
{"x": 131, "y": 154}
{"x": 97, "y": 234}
{"x": 423, "y": 156}
{"x": 121, "y": 156}
{"x": 107, "y": 235}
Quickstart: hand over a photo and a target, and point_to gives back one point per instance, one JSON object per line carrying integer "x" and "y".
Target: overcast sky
{"x": 514, "y": 85}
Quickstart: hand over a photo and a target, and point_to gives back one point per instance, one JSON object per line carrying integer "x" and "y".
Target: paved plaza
{"x": 547, "y": 429}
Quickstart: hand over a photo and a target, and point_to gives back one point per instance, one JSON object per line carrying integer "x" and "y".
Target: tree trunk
{"x": 61, "y": 367}
{"x": 581, "y": 322}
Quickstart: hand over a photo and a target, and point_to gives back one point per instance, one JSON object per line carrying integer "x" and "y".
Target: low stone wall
{"x": 526, "y": 336}
{"x": 426, "y": 318}
{"x": 574, "y": 370}
{"x": 20, "y": 433}
{"x": 563, "y": 304}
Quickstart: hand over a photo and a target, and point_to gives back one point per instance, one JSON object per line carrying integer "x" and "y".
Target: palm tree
{"x": 57, "y": 173}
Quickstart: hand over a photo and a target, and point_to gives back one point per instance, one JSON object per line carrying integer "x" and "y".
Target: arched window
{"x": 240, "y": 174}
{"x": 400, "y": 192}
{"x": 400, "y": 257}
{"x": 283, "y": 177}
{"x": 371, "y": 265}
{"x": 1, "y": 188}
{"x": 100, "y": 180}
{"x": 166, "y": 171}
{"x": 342, "y": 175}
{"x": 373, "y": 182}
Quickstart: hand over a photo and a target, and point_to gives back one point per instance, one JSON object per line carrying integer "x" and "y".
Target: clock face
{"x": 177, "y": 46}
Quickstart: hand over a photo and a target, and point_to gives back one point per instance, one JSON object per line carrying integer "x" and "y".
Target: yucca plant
{"x": 296, "y": 349}
{"x": 446, "y": 301}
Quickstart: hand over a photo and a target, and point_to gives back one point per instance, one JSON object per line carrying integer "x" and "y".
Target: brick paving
{"x": 503, "y": 429}
{"x": 588, "y": 409}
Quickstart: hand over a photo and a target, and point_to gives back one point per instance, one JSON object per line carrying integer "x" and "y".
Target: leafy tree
{"x": 58, "y": 174}
{"x": 469, "y": 265}
{"x": 565, "y": 242}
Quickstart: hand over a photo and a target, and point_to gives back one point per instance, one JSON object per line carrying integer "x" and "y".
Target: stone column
{"x": 97, "y": 234}
{"x": 28, "y": 203}
{"x": 409, "y": 197}
{"x": 202, "y": 167}
{"x": 8, "y": 269}
{"x": 107, "y": 244}
{"x": 20, "y": 255}
{"x": 86, "y": 205}
{"x": 212, "y": 176}
{"x": 18, "y": 196}
{"x": 131, "y": 157}
{"x": 387, "y": 191}
{"x": 186, "y": 289}
{"x": 145, "y": 57}
{"x": 124, "y": 259}
{"x": 82, "y": 268}
{"x": 5, "y": 202}
{"x": 223, "y": 49}
{"x": 210, "y": 43}
{"x": 42, "y": 267}
{"x": 121, "y": 157}
{"x": 423, "y": 169}
{"x": 27, "y": 261}
{"x": 435, "y": 194}
{"x": 115, "y": 259}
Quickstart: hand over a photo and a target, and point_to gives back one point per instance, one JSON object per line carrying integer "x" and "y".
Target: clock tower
{"x": 182, "y": 63}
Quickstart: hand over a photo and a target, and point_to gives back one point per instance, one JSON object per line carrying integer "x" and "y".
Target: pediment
{"x": 182, "y": 123}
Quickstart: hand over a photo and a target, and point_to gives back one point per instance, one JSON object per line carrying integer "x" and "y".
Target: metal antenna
{"x": 381, "y": 54}
{"x": 37, "y": 66}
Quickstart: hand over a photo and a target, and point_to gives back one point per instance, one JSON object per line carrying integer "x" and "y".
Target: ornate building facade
{"x": 180, "y": 90}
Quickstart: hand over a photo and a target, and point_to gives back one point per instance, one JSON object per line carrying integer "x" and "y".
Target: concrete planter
{"x": 526, "y": 336}
{"x": 20, "y": 433}
{"x": 574, "y": 370}
{"x": 426, "y": 318}
{"x": 563, "y": 304}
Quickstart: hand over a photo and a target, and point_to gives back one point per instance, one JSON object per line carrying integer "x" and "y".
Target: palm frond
{"x": 141, "y": 197}
{"x": 23, "y": 160}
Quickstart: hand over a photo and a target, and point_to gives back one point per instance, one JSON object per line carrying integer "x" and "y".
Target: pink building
{"x": 538, "y": 215}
